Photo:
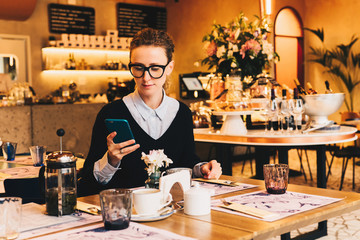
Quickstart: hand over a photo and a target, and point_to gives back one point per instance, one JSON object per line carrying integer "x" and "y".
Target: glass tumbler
{"x": 116, "y": 208}
{"x": 9, "y": 150}
{"x": 10, "y": 217}
{"x": 276, "y": 178}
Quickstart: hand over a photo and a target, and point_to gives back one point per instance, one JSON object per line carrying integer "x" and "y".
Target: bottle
{"x": 284, "y": 110}
{"x": 292, "y": 118}
{"x": 70, "y": 64}
{"x": 274, "y": 109}
{"x": 328, "y": 89}
{"x": 310, "y": 91}
{"x": 301, "y": 90}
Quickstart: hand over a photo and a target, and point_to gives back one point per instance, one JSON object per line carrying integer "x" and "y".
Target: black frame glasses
{"x": 148, "y": 69}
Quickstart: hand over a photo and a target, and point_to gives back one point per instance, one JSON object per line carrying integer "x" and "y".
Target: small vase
{"x": 153, "y": 180}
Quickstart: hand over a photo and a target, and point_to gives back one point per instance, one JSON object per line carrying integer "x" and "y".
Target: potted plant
{"x": 342, "y": 64}
{"x": 240, "y": 46}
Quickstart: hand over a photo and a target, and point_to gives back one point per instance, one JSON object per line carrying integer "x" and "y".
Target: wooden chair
{"x": 347, "y": 153}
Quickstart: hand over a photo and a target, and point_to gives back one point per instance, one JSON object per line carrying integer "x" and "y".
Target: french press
{"x": 60, "y": 181}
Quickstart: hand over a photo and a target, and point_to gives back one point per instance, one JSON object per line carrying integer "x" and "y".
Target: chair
{"x": 346, "y": 153}
{"x": 28, "y": 189}
{"x": 300, "y": 151}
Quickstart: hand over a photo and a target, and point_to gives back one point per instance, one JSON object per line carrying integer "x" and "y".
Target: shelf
{"x": 54, "y": 50}
{"x": 55, "y": 58}
{"x": 122, "y": 73}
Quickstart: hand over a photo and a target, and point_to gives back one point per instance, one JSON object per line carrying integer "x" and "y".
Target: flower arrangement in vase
{"x": 240, "y": 46}
{"x": 154, "y": 161}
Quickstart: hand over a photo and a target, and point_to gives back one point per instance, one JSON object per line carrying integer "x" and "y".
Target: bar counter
{"x": 37, "y": 125}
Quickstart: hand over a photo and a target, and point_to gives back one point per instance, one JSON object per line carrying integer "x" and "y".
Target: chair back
{"x": 29, "y": 189}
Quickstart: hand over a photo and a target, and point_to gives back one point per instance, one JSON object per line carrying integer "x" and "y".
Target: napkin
{"x": 256, "y": 212}
{"x": 89, "y": 208}
{"x": 219, "y": 181}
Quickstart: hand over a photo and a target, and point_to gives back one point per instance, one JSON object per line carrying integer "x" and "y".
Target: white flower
{"x": 220, "y": 51}
{"x": 230, "y": 53}
{"x": 233, "y": 65}
{"x": 237, "y": 33}
{"x": 155, "y": 160}
{"x": 267, "y": 48}
{"x": 235, "y": 48}
{"x": 248, "y": 79}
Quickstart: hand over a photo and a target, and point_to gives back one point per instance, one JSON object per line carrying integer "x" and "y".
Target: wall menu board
{"x": 71, "y": 19}
{"x": 131, "y": 18}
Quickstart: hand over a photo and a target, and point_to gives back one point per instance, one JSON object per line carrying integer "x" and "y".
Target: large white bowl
{"x": 319, "y": 106}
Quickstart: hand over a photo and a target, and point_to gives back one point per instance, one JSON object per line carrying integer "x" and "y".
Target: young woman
{"x": 156, "y": 120}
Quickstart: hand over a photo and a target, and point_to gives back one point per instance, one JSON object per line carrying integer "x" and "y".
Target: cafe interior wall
{"x": 189, "y": 21}
{"x": 36, "y": 26}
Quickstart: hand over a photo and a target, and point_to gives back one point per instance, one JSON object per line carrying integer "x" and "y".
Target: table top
{"x": 260, "y": 138}
{"x": 221, "y": 225}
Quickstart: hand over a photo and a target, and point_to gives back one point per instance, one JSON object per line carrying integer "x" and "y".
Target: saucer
{"x": 164, "y": 213}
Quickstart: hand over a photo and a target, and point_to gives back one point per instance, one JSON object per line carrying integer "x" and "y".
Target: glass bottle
{"x": 284, "y": 112}
{"x": 274, "y": 126}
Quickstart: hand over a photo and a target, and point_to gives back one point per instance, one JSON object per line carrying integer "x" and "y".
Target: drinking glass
{"x": 264, "y": 111}
{"x": 297, "y": 109}
{"x": 276, "y": 178}
{"x": 273, "y": 109}
{"x": 10, "y": 217}
{"x": 38, "y": 155}
{"x": 9, "y": 150}
{"x": 116, "y": 207}
{"x": 284, "y": 115}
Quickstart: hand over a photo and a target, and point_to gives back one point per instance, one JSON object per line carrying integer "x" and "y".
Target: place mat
{"x": 34, "y": 221}
{"x": 284, "y": 205}
{"x": 134, "y": 231}
{"x": 256, "y": 212}
{"x": 4, "y": 176}
{"x": 223, "y": 189}
{"x": 21, "y": 172}
{"x": 27, "y": 160}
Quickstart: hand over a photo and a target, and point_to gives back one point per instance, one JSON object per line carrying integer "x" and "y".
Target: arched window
{"x": 289, "y": 45}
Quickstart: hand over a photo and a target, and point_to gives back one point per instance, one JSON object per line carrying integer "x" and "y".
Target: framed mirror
{"x": 9, "y": 65}
{"x": 14, "y": 60}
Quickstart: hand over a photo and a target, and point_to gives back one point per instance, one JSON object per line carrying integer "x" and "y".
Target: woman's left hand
{"x": 211, "y": 170}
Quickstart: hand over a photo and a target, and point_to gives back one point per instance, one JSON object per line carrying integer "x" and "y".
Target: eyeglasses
{"x": 155, "y": 71}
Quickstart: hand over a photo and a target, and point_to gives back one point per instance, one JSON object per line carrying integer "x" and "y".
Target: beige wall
{"x": 190, "y": 20}
{"x": 37, "y": 28}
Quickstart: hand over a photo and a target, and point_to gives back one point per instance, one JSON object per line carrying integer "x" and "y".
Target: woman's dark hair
{"x": 153, "y": 37}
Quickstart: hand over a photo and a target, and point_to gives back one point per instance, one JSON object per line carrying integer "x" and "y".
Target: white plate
{"x": 165, "y": 213}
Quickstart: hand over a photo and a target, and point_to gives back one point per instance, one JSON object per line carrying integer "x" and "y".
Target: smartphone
{"x": 121, "y": 127}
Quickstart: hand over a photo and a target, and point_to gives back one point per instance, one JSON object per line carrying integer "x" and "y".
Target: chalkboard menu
{"x": 71, "y": 19}
{"x": 131, "y": 18}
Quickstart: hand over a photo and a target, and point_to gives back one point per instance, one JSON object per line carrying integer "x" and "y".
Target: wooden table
{"x": 283, "y": 142}
{"x": 220, "y": 225}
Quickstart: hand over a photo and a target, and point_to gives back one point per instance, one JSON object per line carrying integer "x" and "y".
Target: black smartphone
{"x": 121, "y": 127}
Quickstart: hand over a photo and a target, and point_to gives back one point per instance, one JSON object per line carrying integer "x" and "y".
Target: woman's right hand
{"x": 116, "y": 151}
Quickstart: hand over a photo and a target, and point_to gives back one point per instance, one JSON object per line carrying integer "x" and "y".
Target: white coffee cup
{"x": 149, "y": 201}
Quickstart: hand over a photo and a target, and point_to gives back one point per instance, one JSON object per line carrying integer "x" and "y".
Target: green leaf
{"x": 318, "y": 32}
